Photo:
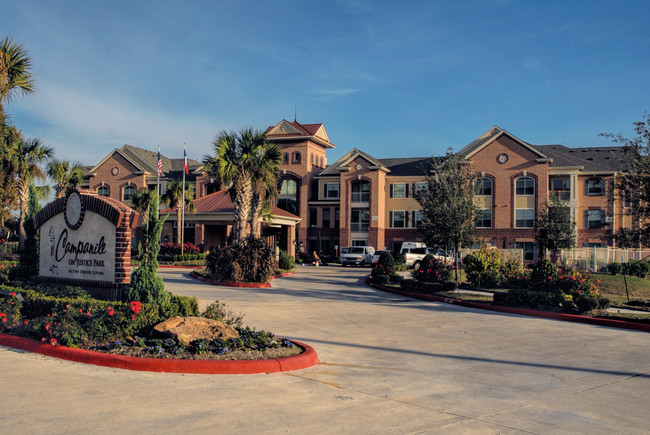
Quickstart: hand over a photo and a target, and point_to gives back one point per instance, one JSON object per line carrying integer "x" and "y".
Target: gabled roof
{"x": 490, "y": 136}
{"x": 342, "y": 163}
{"x": 147, "y": 161}
{"x": 285, "y": 130}
{"x": 219, "y": 202}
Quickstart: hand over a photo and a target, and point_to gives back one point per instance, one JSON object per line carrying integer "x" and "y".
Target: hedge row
{"x": 428, "y": 287}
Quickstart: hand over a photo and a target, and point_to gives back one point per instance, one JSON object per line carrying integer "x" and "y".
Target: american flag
{"x": 187, "y": 170}
{"x": 159, "y": 162}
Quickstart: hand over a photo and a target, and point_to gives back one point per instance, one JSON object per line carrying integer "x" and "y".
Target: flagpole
{"x": 158, "y": 168}
{"x": 183, "y": 203}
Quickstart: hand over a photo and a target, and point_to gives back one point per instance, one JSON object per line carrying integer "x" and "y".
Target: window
{"x": 359, "y": 220}
{"x": 297, "y": 157}
{"x": 285, "y": 158}
{"x": 321, "y": 162}
{"x": 288, "y": 198}
{"x": 525, "y": 186}
{"x": 360, "y": 191}
{"x": 103, "y": 191}
{"x": 326, "y": 218}
{"x": 595, "y": 219}
{"x": 627, "y": 198}
{"x": 484, "y": 186}
{"x": 331, "y": 190}
{"x": 525, "y": 218}
{"x": 417, "y": 218}
{"x": 312, "y": 158}
{"x": 528, "y": 248}
{"x": 483, "y": 218}
{"x": 421, "y": 188}
{"x": 337, "y": 218}
{"x": 398, "y": 219}
{"x": 595, "y": 187}
{"x": 399, "y": 190}
{"x": 127, "y": 193}
{"x": 313, "y": 217}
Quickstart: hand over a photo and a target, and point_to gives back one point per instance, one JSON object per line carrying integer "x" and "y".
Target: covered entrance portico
{"x": 214, "y": 218}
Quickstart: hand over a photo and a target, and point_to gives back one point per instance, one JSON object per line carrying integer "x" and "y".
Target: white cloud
{"x": 85, "y": 127}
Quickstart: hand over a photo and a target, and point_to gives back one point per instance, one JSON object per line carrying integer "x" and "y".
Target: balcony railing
{"x": 564, "y": 195}
{"x": 360, "y": 196}
{"x": 359, "y": 227}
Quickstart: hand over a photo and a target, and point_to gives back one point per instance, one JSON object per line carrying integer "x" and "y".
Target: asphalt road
{"x": 388, "y": 365}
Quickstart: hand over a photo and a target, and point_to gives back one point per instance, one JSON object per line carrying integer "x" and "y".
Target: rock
{"x": 188, "y": 329}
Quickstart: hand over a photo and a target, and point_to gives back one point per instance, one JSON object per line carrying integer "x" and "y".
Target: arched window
{"x": 127, "y": 193}
{"x": 484, "y": 186}
{"x": 288, "y": 197}
{"x": 103, "y": 191}
{"x": 296, "y": 157}
{"x": 321, "y": 163}
{"x": 312, "y": 158}
{"x": 285, "y": 158}
{"x": 525, "y": 186}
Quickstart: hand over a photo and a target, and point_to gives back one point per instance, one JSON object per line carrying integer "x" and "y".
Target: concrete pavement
{"x": 388, "y": 365}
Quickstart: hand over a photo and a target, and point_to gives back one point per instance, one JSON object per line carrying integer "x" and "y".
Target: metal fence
{"x": 597, "y": 259}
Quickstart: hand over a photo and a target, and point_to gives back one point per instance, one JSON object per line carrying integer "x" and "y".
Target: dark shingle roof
{"x": 415, "y": 166}
{"x": 590, "y": 158}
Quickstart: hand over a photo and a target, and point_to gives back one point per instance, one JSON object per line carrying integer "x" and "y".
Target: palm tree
{"x": 142, "y": 201}
{"x": 23, "y": 156}
{"x": 264, "y": 177}
{"x": 232, "y": 167}
{"x": 15, "y": 77}
{"x": 66, "y": 175}
{"x": 174, "y": 197}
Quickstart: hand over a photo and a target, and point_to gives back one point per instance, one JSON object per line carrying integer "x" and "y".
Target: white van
{"x": 357, "y": 255}
{"x": 413, "y": 253}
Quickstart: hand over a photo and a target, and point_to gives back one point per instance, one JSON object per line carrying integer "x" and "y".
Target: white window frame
{"x": 403, "y": 186}
{"x": 530, "y": 211}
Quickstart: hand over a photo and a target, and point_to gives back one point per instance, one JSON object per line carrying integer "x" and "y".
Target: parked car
{"x": 377, "y": 254}
{"x": 440, "y": 254}
{"x": 413, "y": 253}
{"x": 357, "y": 255}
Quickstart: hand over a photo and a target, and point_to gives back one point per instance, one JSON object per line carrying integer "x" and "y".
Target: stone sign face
{"x": 74, "y": 248}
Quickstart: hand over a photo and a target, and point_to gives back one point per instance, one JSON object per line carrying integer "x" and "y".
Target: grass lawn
{"x": 613, "y": 288}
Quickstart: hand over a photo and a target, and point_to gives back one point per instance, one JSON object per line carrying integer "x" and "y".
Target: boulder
{"x": 188, "y": 329}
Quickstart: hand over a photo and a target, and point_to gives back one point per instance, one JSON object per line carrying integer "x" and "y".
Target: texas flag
{"x": 187, "y": 170}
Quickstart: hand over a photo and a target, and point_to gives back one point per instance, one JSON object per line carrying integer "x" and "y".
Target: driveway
{"x": 388, "y": 365}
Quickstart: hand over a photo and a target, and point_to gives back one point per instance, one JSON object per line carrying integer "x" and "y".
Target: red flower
{"x": 26, "y": 322}
{"x": 47, "y": 327}
{"x": 88, "y": 314}
{"x": 2, "y": 314}
{"x": 4, "y": 319}
{"x": 111, "y": 312}
{"x": 135, "y": 307}
{"x": 53, "y": 341}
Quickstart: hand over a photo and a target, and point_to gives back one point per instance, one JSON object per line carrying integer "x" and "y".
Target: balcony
{"x": 360, "y": 196}
{"x": 359, "y": 227}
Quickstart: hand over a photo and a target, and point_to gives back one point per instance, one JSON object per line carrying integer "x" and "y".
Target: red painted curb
{"x": 304, "y": 360}
{"x": 521, "y": 311}
{"x": 195, "y": 275}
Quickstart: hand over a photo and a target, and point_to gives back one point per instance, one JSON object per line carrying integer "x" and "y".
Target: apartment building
{"x": 363, "y": 200}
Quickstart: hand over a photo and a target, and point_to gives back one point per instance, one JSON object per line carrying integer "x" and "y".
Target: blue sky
{"x": 394, "y": 79}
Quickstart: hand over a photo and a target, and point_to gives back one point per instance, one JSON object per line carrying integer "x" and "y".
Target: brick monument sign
{"x": 85, "y": 240}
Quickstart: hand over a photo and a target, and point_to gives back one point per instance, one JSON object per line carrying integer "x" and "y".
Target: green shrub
{"x": 615, "y": 268}
{"x": 286, "y": 261}
{"x": 381, "y": 279}
{"x": 220, "y": 311}
{"x": 638, "y": 268}
{"x": 586, "y": 303}
{"x": 10, "y": 308}
{"x": 396, "y": 278}
{"x": 532, "y": 299}
{"x": 544, "y": 276}
{"x": 510, "y": 267}
{"x": 250, "y": 261}
{"x": 409, "y": 284}
{"x": 603, "y": 302}
{"x": 449, "y": 286}
{"x": 432, "y": 270}
{"x": 483, "y": 267}
{"x": 385, "y": 265}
